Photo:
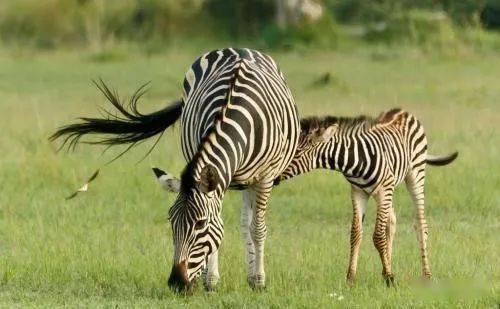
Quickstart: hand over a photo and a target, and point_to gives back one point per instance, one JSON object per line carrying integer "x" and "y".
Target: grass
{"x": 112, "y": 245}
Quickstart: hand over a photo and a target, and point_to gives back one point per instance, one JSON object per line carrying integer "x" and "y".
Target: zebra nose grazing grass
{"x": 178, "y": 279}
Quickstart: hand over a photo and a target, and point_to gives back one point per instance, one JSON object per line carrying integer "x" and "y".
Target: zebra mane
{"x": 187, "y": 176}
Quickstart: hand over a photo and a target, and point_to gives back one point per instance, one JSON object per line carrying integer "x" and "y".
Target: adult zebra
{"x": 239, "y": 127}
{"x": 374, "y": 155}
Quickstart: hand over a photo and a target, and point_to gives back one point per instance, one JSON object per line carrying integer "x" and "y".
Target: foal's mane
{"x": 314, "y": 123}
{"x": 310, "y": 124}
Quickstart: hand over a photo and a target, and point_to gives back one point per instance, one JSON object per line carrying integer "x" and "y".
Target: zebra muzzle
{"x": 178, "y": 279}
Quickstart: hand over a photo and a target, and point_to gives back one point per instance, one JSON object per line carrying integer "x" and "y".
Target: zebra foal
{"x": 374, "y": 155}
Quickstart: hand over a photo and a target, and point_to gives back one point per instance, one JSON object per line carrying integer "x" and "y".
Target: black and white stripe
{"x": 374, "y": 155}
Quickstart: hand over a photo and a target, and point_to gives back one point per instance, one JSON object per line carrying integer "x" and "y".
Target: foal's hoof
{"x": 389, "y": 280}
{"x": 350, "y": 280}
{"x": 426, "y": 278}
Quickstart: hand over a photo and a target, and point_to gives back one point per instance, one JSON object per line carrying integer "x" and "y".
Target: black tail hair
{"x": 130, "y": 127}
{"x": 441, "y": 160}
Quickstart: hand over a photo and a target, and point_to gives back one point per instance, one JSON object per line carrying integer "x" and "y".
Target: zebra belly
{"x": 370, "y": 185}
{"x": 361, "y": 183}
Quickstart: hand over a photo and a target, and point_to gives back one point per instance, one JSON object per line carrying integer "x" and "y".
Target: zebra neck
{"x": 222, "y": 157}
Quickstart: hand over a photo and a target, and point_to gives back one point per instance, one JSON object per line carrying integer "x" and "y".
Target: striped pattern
{"x": 374, "y": 155}
{"x": 239, "y": 127}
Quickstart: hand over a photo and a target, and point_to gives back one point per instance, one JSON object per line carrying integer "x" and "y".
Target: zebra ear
{"x": 167, "y": 181}
{"x": 324, "y": 135}
{"x": 209, "y": 178}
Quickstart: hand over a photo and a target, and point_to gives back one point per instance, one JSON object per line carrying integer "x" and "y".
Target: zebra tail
{"x": 442, "y": 159}
{"x": 127, "y": 126}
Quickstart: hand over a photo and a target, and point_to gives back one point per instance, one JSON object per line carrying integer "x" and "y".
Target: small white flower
{"x": 340, "y": 297}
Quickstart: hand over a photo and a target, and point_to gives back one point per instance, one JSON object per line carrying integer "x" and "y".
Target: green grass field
{"x": 112, "y": 245}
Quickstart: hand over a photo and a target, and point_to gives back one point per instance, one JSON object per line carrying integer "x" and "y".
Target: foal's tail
{"x": 441, "y": 160}
{"x": 128, "y": 127}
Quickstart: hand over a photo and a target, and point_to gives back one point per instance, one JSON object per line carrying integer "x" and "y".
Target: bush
{"x": 362, "y": 11}
{"x": 427, "y": 29}
{"x": 321, "y": 33}
{"x": 50, "y": 23}
{"x": 240, "y": 19}
{"x": 46, "y": 23}
{"x": 462, "y": 12}
{"x": 99, "y": 23}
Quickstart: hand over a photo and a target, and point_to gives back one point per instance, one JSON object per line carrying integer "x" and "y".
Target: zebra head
{"x": 312, "y": 142}
{"x": 197, "y": 226}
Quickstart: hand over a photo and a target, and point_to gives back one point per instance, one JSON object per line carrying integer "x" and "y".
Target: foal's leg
{"x": 381, "y": 237}
{"x": 390, "y": 232}
{"x": 415, "y": 185}
{"x": 359, "y": 199}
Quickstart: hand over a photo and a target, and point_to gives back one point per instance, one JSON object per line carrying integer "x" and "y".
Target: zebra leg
{"x": 390, "y": 232}
{"x": 210, "y": 274}
{"x": 415, "y": 185}
{"x": 381, "y": 239}
{"x": 246, "y": 219}
{"x": 359, "y": 199}
{"x": 258, "y": 232}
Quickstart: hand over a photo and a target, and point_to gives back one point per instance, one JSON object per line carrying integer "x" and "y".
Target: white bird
{"x": 85, "y": 187}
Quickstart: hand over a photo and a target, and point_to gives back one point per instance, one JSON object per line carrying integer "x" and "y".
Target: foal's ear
{"x": 323, "y": 135}
{"x": 209, "y": 178}
{"x": 167, "y": 181}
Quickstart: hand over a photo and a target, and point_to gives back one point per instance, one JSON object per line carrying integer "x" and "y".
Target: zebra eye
{"x": 200, "y": 224}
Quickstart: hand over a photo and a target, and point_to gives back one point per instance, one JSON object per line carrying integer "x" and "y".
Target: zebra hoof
{"x": 350, "y": 280}
{"x": 351, "y": 277}
{"x": 210, "y": 287}
{"x": 389, "y": 281}
{"x": 257, "y": 282}
{"x": 426, "y": 278}
{"x": 210, "y": 280}
{"x": 210, "y": 283}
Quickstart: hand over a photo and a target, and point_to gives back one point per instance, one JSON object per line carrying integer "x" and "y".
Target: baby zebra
{"x": 374, "y": 155}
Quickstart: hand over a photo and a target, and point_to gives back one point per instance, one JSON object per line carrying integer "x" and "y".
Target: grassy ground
{"x": 112, "y": 246}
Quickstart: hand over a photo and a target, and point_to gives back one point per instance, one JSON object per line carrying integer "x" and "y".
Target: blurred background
{"x": 456, "y": 26}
